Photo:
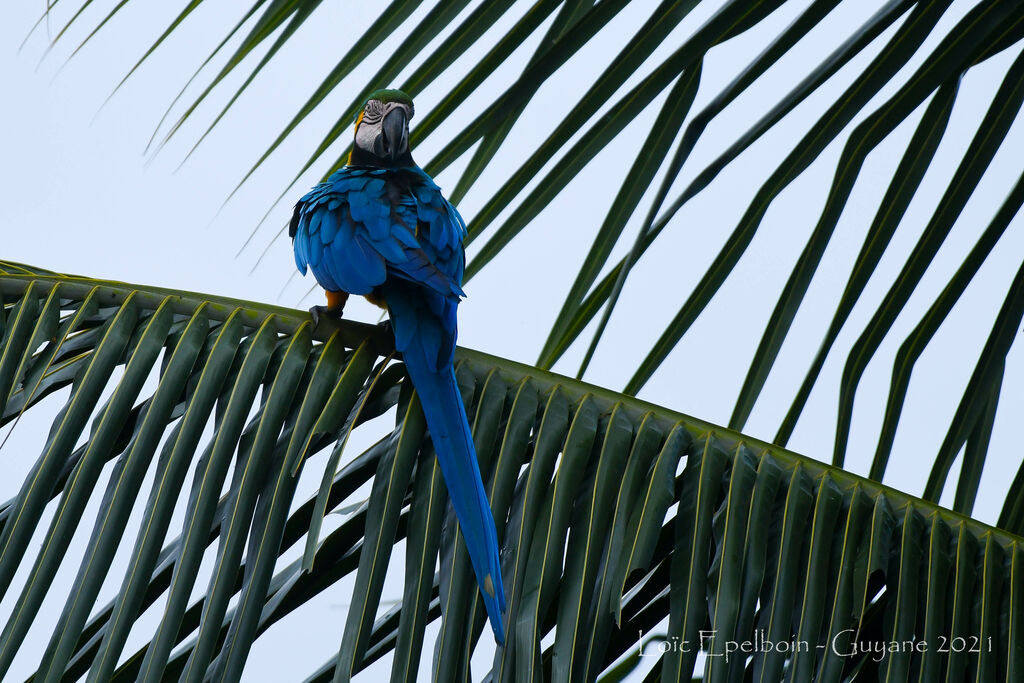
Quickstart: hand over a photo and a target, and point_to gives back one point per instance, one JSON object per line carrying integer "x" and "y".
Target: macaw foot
{"x": 386, "y": 326}
{"x": 334, "y": 308}
{"x": 316, "y": 311}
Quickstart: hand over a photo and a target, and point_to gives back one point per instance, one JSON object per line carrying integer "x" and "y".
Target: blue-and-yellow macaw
{"x": 380, "y": 227}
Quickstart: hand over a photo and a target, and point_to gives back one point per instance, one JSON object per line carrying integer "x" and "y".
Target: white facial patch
{"x": 368, "y": 134}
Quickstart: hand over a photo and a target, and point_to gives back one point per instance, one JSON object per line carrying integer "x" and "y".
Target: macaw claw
{"x": 316, "y": 311}
{"x": 386, "y": 326}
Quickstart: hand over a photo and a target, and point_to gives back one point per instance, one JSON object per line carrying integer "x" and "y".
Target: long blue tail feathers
{"x": 449, "y": 430}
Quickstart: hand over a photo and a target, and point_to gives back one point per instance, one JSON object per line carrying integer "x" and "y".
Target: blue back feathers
{"x": 363, "y": 224}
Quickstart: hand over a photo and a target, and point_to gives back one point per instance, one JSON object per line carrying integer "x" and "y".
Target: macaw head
{"x": 382, "y": 131}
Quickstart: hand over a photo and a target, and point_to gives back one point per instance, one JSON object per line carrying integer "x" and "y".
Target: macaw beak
{"x": 395, "y": 133}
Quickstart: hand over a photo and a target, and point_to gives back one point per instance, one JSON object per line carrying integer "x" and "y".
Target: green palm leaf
{"x": 614, "y": 515}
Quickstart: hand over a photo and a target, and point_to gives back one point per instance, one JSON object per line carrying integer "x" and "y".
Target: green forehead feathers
{"x": 385, "y": 96}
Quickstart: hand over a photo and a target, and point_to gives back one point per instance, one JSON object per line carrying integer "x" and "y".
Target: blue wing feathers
{"x": 391, "y": 250}
{"x": 367, "y": 261}
{"x": 301, "y": 252}
{"x": 314, "y": 221}
{"x": 329, "y": 224}
{"x": 418, "y": 238}
{"x": 315, "y": 247}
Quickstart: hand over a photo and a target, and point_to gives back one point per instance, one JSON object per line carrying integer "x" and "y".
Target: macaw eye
{"x": 373, "y": 109}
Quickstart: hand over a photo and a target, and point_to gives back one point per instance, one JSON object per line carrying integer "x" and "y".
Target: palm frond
{"x": 615, "y": 516}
